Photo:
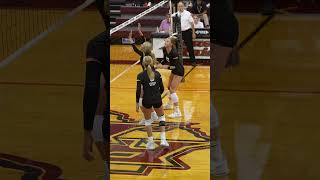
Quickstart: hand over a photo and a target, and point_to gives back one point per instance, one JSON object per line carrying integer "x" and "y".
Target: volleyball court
{"x": 129, "y": 155}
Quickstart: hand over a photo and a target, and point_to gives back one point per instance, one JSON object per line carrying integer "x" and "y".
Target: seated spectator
{"x": 165, "y": 25}
{"x": 199, "y": 7}
{"x": 197, "y": 23}
{"x": 148, "y": 3}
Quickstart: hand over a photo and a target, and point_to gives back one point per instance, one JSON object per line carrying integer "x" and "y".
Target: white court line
{"x": 123, "y": 72}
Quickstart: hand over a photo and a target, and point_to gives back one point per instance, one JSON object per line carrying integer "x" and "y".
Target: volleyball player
{"x": 171, "y": 56}
{"x": 96, "y": 66}
{"x": 145, "y": 50}
{"x": 225, "y": 36}
{"x": 150, "y": 81}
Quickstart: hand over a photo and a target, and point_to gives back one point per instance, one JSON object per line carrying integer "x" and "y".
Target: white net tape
{"x": 135, "y": 18}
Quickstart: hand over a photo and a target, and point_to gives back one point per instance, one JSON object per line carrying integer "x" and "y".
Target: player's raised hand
{"x": 130, "y": 37}
{"x": 139, "y": 29}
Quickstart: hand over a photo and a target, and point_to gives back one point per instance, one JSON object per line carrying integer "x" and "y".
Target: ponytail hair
{"x": 147, "y": 47}
{"x": 173, "y": 40}
{"x": 148, "y": 62}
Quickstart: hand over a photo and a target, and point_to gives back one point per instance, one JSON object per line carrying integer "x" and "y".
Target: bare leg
{"x": 97, "y": 131}
{"x": 162, "y": 125}
{"x": 148, "y": 125}
{"x": 174, "y": 85}
{"x": 220, "y": 57}
{"x": 218, "y": 162}
{"x": 169, "y": 105}
{"x": 176, "y": 80}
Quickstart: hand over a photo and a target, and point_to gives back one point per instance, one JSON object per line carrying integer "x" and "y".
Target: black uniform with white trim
{"x": 139, "y": 52}
{"x": 152, "y": 89}
{"x": 175, "y": 64}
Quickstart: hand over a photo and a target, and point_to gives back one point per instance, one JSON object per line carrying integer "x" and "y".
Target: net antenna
{"x": 13, "y": 56}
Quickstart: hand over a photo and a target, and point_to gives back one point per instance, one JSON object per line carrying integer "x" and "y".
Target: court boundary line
{"x": 123, "y": 72}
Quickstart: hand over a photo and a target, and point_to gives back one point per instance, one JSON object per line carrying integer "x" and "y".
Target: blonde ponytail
{"x": 150, "y": 73}
{"x": 148, "y": 64}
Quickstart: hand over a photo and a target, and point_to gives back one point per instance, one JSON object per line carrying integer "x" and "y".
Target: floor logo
{"x": 31, "y": 170}
{"x": 128, "y": 140}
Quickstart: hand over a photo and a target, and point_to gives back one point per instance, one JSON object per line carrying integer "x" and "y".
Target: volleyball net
{"x": 120, "y": 69}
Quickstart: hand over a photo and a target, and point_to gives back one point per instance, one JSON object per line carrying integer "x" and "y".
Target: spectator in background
{"x": 200, "y": 8}
{"x": 165, "y": 25}
{"x": 148, "y": 3}
{"x": 197, "y": 23}
{"x": 187, "y": 30}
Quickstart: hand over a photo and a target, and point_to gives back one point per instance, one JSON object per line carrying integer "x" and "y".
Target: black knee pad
{"x": 162, "y": 123}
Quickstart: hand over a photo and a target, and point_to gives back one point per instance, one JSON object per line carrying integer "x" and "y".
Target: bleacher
{"x": 149, "y": 23}
{"x": 115, "y": 12}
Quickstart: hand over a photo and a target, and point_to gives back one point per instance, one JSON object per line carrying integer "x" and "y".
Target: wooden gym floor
{"x": 188, "y": 155}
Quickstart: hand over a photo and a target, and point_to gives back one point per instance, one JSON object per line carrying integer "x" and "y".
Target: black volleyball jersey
{"x": 152, "y": 89}
{"x": 102, "y": 6}
{"x": 172, "y": 58}
{"x": 139, "y": 52}
{"x": 224, "y": 18}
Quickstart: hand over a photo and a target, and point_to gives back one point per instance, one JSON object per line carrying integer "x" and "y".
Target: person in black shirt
{"x": 151, "y": 83}
{"x": 145, "y": 48}
{"x": 199, "y": 7}
{"x": 170, "y": 55}
{"x": 94, "y": 109}
{"x": 225, "y": 36}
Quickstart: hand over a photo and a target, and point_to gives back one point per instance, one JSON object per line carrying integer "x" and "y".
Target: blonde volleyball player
{"x": 170, "y": 55}
{"x": 149, "y": 80}
{"x": 145, "y": 50}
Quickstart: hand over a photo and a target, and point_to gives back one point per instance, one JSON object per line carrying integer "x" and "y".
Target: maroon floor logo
{"x": 128, "y": 152}
{"x": 31, "y": 170}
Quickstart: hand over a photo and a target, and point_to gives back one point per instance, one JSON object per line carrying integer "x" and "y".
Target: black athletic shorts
{"x": 97, "y": 48}
{"x": 150, "y": 105}
{"x": 226, "y": 33}
{"x": 178, "y": 72}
